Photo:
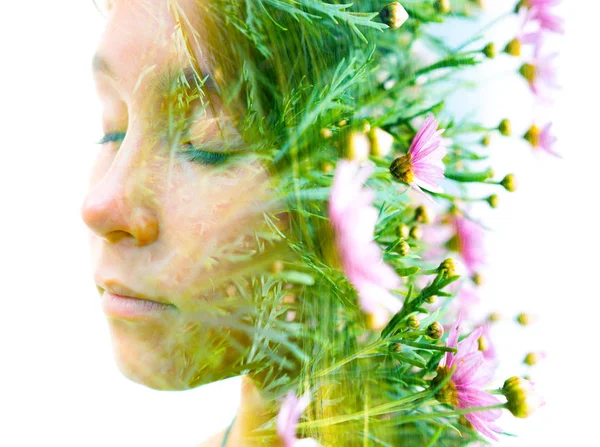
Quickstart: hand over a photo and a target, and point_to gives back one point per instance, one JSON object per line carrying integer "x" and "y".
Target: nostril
{"x": 116, "y": 236}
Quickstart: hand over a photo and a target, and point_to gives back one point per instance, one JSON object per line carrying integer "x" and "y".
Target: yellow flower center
{"x": 401, "y": 169}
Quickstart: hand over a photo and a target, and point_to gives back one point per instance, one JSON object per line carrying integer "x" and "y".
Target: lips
{"x": 119, "y": 301}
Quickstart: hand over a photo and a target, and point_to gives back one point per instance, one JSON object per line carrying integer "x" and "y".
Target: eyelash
{"x": 191, "y": 152}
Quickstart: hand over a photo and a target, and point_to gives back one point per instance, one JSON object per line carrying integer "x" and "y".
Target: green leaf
{"x": 296, "y": 277}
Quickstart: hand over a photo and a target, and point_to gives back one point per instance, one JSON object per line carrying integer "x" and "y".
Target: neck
{"x": 253, "y": 412}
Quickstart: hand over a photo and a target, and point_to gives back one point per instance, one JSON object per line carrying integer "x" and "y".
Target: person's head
{"x": 194, "y": 107}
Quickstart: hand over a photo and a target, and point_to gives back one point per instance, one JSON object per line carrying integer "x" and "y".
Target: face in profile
{"x": 173, "y": 196}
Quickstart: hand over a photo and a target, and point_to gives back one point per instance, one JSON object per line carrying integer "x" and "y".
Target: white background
{"x": 58, "y": 384}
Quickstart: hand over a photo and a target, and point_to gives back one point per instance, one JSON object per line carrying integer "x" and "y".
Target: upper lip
{"x": 117, "y": 288}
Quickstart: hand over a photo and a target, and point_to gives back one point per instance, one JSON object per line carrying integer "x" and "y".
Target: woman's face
{"x": 163, "y": 214}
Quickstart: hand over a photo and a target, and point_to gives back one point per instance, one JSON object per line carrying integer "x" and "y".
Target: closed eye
{"x": 112, "y": 137}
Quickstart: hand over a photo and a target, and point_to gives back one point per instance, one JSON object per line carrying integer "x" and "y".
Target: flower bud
{"x": 493, "y": 317}
{"x": 277, "y": 267}
{"x": 342, "y": 123}
{"x": 403, "y": 231}
{"x": 378, "y": 319}
{"x": 504, "y": 127}
{"x": 447, "y": 268}
{"x": 522, "y": 399}
{"x": 435, "y": 330}
{"x": 513, "y": 47}
{"x": 533, "y": 358}
{"x": 326, "y": 133}
{"x": 393, "y": 15}
{"x": 381, "y": 142}
{"x": 397, "y": 347}
{"x": 489, "y": 50}
{"x": 413, "y": 322}
{"x": 509, "y": 182}
{"x": 532, "y": 136}
{"x": 430, "y": 299}
{"x": 483, "y": 343}
{"x": 485, "y": 141}
{"x": 524, "y": 319}
{"x": 327, "y": 167}
{"x": 401, "y": 169}
{"x": 416, "y": 233}
{"x": 492, "y": 201}
{"x": 422, "y": 214}
{"x": 442, "y": 6}
{"x": 403, "y": 248}
{"x": 477, "y": 279}
{"x": 358, "y": 146}
{"x": 528, "y": 71}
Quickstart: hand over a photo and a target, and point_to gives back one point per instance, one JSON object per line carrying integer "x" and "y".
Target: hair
{"x": 287, "y": 70}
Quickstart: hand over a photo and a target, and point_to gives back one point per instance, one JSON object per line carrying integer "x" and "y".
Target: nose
{"x": 115, "y": 209}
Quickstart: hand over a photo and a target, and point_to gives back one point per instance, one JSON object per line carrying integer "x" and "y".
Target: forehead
{"x": 142, "y": 40}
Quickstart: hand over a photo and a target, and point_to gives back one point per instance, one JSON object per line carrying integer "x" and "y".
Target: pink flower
{"x": 422, "y": 166}
{"x": 541, "y": 139}
{"x": 541, "y": 75}
{"x": 353, "y": 219}
{"x": 287, "y": 421}
{"x": 468, "y": 242}
{"x": 464, "y": 388}
{"x": 486, "y": 346}
{"x": 540, "y": 12}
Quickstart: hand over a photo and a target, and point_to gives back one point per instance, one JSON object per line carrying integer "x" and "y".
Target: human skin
{"x": 158, "y": 220}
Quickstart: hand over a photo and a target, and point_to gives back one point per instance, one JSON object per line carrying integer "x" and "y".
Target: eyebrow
{"x": 168, "y": 79}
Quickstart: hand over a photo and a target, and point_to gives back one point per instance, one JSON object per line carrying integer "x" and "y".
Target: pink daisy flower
{"x": 464, "y": 388}
{"x": 468, "y": 242}
{"x": 541, "y": 75}
{"x": 353, "y": 219}
{"x": 422, "y": 166}
{"x": 287, "y": 421}
{"x": 540, "y": 11}
{"x": 542, "y": 139}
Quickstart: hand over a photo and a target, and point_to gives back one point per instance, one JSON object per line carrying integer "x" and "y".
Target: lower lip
{"x": 133, "y": 308}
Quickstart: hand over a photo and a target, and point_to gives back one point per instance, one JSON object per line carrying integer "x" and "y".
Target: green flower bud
{"x": 403, "y": 231}
{"x": 485, "y": 141}
{"x": 403, "y": 248}
{"x": 416, "y": 233}
{"x": 493, "y": 201}
{"x": 523, "y": 319}
{"x": 532, "y": 136}
{"x": 435, "y": 330}
{"x": 528, "y": 71}
{"x": 413, "y": 322}
{"x": 381, "y": 142}
{"x": 358, "y": 146}
{"x": 447, "y": 268}
{"x": 489, "y": 50}
{"x": 422, "y": 214}
{"x": 522, "y": 400}
{"x": 277, "y": 267}
{"x": 477, "y": 279}
{"x": 509, "y": 182}
{"x": 430, "y": 299}
{"x": 442, "y": 6}
{"x": 504, "y": 127}
{"x": 513, "y": 47}
{"x": 393, "y": 15}
{"x": 326, "y": 133}
{"x": 532, "y": 358}
{"x": 494, "y": 316}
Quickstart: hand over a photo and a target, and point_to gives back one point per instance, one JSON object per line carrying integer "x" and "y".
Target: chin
{"x": 166, "y": 358}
